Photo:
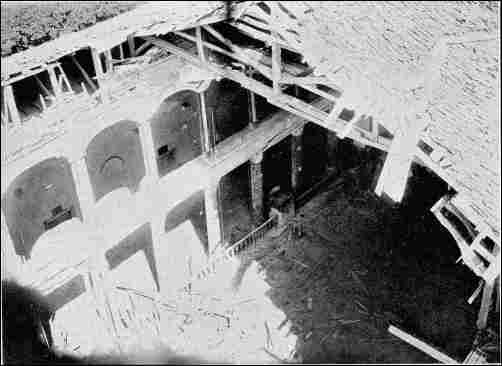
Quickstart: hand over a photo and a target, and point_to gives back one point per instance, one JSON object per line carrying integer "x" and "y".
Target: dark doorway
{"x": 176, "y": 131}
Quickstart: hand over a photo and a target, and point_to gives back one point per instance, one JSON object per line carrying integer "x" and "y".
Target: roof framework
{"x": 427, "y": 73}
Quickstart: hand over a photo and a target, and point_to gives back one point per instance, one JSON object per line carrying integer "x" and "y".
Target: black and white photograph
{"x": 250, "y": 182}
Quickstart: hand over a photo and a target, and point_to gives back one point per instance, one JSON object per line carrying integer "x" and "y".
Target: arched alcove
{"x": 39, "y": 199}
{"x": 176, "y": 130}
{"x": 114, "y": 159}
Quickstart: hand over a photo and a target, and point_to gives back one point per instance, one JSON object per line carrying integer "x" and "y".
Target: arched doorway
{"x": 176, "y": 130}
{"x": 38, "y": 200}
{"x": 115, "y": 159}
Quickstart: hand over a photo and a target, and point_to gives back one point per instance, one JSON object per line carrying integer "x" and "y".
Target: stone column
{"x": 149, "y": 153}
{"x": 256, "y": 185}
{"x": 211, "y": 202}
{"x": 331, "y": 150}
{"x": 296, "y": 159}
{"x": 84, "y": 190}
{"x": 12, "y": 263}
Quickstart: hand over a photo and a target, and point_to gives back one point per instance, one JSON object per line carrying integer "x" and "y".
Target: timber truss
{"x": 272, "y": 68}
{"x": 266, "y": 71}
{"x": 269, "y": 63}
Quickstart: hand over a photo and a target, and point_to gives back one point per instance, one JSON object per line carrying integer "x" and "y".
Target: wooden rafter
{"x": 317, "y": 91}
{"x": 262, "y": 36}
{"x": 53, "y": 80}
{"x": 302, "y": 108}
{"x": 84, "y": 73}
{"x": 276, "y": 67}
{"x": 142, "y": 48}
{"x": 121, "y": 51}
{"x": 108, "y": 60}
{"x": 63, "y": 78}
{"x": 98, "y": 68}
{"x": 239, "y": 52}
{"x": 42, "y": 86}
{"x": 200, "y": 45}
{"x": 286, "y": 102}
{"x": 309, "y": 80}
{"x": 132, "y": 47}
{"x": 11, "y": 104}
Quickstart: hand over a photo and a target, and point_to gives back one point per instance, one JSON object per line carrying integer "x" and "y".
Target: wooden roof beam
{"x": 239, "y": 52}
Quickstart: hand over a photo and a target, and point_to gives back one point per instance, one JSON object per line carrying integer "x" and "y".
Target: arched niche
{"x": 39, "y": 199}
{"x": 176, "y": 130}
{"x": 114, "y": 159}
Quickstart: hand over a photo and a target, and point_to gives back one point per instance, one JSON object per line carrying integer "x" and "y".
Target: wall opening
{"x": 38, "y": 200}
{"x": 176, "y": 130}
{"x": 115, "y": 159}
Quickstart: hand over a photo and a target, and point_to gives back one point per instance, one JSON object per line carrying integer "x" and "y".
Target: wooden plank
{"x": 262, "y": 36}
{"x": 394, "y": 174}
{"x": 486, "y": 302}
{"x": 42, "y": 102}
{"x": 84, "y": 73}
{"x": 108, "y": 60}
{"x": 24, "y": 75}
{"x": 374, "y": 129}
{"x": 42, "y": 86}
{"x": 98, "y": 68}
{"x": 53, "y": 80}
{"x": 276, "y": 67}
{"x": 421, "y": 345}
{"x": 243, "y": 10}
{"x": 132, "y": 47}
{"x": 208, "y": 146}
{"x": 121, "y": 51}
{"x": 493, "y": 270}
{"x": 11, "y": 104}
{"x": 200, "y": 47}
{"x": 476, "y": 292}
{"x": 285, "y": 102}
{"x": 64, "y": 78}
{"x": 319, "y": 92}
{"x": 276, "y": 56}
{"x": 239, "y": 52}
{"x": 142, "y": 48}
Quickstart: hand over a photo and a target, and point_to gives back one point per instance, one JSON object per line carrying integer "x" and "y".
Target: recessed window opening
{"x": 458, "y": 224}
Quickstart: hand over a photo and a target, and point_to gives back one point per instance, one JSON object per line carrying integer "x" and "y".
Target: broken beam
{"x": 238, "y": 52}
{"x": 486, "y": 302}
{"x": 286, "y": 102}
{"x": 142, "y": 48}
{"x": 424, "y": 347}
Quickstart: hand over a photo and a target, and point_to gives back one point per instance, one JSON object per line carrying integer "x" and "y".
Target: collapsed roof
{"x": 386, "y": 55}
{"x": 153, "y": 18}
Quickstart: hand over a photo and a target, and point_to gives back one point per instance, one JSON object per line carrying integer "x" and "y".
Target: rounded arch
{"x": 176, "y": 130}
{"x": 39, "y": 199}
{"x": 114, "y": 159}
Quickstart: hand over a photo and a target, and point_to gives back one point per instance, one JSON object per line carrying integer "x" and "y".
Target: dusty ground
{"x": 330, "y": 295}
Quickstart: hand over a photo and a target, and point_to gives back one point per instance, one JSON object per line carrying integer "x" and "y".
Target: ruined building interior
{"x": 260, "y": 181}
